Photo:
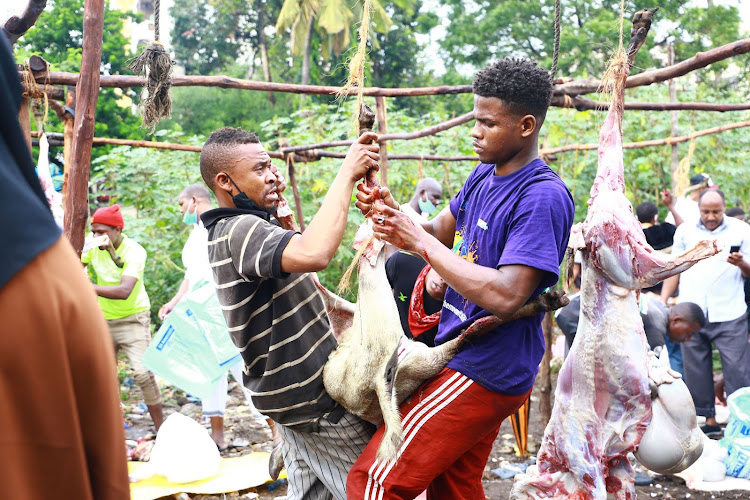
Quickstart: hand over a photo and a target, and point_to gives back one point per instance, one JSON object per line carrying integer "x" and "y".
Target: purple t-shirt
{"x": 520, "y": 218}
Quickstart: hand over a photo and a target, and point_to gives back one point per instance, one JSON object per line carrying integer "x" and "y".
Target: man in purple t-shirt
{"x": 497, "y": 245}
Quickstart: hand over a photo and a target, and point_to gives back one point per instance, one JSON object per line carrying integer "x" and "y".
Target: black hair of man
{"x": 646, "y": 212}
{"x": 690, "y": 311}
{"x": 712, "y": 190}
{"x": 198, "y": 190}
{"x": 522, "y": 86}
{"x": 735, "y": 211}
{"x": 216, "y": 154}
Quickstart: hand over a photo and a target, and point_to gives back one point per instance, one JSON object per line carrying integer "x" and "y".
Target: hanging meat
{"x": 603, "y": 400}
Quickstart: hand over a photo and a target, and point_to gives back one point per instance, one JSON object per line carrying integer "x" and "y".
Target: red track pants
{"x": 449, "y": 426}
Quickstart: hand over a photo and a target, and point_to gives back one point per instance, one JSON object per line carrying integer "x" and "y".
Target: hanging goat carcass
{"x": 603, "y": 399}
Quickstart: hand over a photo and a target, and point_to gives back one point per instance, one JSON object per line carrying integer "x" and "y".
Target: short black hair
{"x": 691, "y": 312}
{"x": 216, "y": 149}
{"x": 522, "y": 85}
{"x": 712, "y": 190}
{"x": 735, "y": 211}
{"x": 646, "y": 211}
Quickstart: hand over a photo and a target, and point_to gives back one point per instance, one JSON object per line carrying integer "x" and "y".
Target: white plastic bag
{"x": 183, "y": 452}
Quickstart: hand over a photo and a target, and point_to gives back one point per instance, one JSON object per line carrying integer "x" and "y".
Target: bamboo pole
{"x": 87, "y": 95}
{"x": 582, "y": 104}
{"x": 380, "y": 115}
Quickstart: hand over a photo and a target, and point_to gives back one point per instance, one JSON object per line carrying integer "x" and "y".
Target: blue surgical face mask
{"x": 426, "y": 206}
{"x": 190, "y": 218}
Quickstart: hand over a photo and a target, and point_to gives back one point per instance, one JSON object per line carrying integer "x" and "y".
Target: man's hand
{"x": 365, "y": 200}
{"x": 363, "y": 155}
{"x": 659, "y": 371}
{"x": 667, "y": 198}
{"x": 398, "y": 229}
{"x": 165, "y": 309}
{"x": 280, "y": 180}
{"x": 735, "y": 258}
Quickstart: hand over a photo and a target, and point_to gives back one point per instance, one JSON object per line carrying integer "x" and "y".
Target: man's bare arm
{"x": 118, "y": 292}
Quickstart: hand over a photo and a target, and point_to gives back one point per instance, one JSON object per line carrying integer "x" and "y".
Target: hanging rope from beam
{"x": 156, "y": 65}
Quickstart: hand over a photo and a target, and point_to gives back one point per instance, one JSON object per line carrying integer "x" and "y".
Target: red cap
{"x": 110, "y": 216}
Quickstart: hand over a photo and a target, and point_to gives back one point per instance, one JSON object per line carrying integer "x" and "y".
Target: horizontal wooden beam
{"x": 309, "y": 156}
{"x": 562, "y": 86}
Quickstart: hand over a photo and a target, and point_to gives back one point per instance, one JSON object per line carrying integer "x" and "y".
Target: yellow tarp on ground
{"x": 235, "y": 474}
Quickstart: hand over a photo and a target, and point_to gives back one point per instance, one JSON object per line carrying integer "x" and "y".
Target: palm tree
{"x": 335, "y": 19}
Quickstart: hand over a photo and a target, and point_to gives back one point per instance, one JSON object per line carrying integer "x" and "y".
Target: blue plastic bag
{"x": 192, "y": 350}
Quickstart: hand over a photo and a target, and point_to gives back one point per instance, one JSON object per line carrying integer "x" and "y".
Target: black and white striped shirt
{"x": 277, "y": 320}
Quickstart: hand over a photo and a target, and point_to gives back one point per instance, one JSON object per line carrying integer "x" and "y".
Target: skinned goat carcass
{"x": 603, "y": 396}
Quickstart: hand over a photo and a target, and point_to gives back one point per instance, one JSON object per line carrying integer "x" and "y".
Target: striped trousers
{"x": 317, "y": 463}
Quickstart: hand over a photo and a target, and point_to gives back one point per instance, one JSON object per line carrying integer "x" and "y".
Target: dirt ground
{"x": 252, "y": 435}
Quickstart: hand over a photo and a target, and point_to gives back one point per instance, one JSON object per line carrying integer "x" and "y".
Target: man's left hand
{"x": 398, "y": 229}
{"x": 735, "y": 258}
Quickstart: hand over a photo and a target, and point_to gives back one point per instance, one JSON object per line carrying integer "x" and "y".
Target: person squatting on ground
{"x": 272, "y": 307}
{"x": 499, "y": 243}
{"x": 716, "y": 285}
{"x": 61, "y": 434}
{"x": 118, "y": 266}
{"x": 194, "y": 200}
{"x": 419, "y": 292}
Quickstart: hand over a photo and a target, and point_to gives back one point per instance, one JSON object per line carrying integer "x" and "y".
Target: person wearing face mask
{"x": 425, "y": 200}
{"x": 272, "y": 306}
{"x": 195, "y": 200}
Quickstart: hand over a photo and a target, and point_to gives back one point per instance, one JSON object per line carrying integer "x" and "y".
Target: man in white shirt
{"x": 194, "y": 200}
{"x": 687, "y": 205}
{"x": 716, "y": 285}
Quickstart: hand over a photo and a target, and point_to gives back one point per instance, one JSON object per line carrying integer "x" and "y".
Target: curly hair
{"x": 216, "y": 151}
{"x": 522, "y": 85}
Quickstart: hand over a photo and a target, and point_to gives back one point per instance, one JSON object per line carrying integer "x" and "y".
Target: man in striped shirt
{"x": 273, "y": 310}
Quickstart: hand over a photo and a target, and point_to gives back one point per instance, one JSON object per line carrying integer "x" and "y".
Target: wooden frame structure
{"x": 78, "y": 138}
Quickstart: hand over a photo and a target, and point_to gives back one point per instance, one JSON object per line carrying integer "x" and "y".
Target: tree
{"x": 480, "y": 31}
{"x": 335, "y": 20}
{"x": 57, "y": 36}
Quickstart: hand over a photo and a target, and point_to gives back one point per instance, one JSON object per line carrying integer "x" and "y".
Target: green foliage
{"x": 57, "y": 36}
{"x": 147, "y": 184}
{"x": 481, "y": 31}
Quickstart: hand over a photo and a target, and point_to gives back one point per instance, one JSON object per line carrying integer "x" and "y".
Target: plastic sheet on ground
{"x": 235, "y": 474}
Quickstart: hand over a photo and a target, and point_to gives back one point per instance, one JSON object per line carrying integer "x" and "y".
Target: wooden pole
{"x": 87, "y": 95}
{"x": 15, "y": 27}
{"x": 70, "y": 104}
{"x": 562, "y": 86}
{"x": 380, "y": 115}
{"x": 25, "y": 120}
{"x": 674, "y": 122}
{"x": 545, "y": 378}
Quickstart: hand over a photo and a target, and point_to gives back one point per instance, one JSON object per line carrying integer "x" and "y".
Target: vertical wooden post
{"x": 87, "y": 95}
{"x": 70, "y": 103}
{"x": 675, "y": 129}
{"x": 382, "y": 129}
{"x": 545, "y": 380}
{"x": 25, "y": 120}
